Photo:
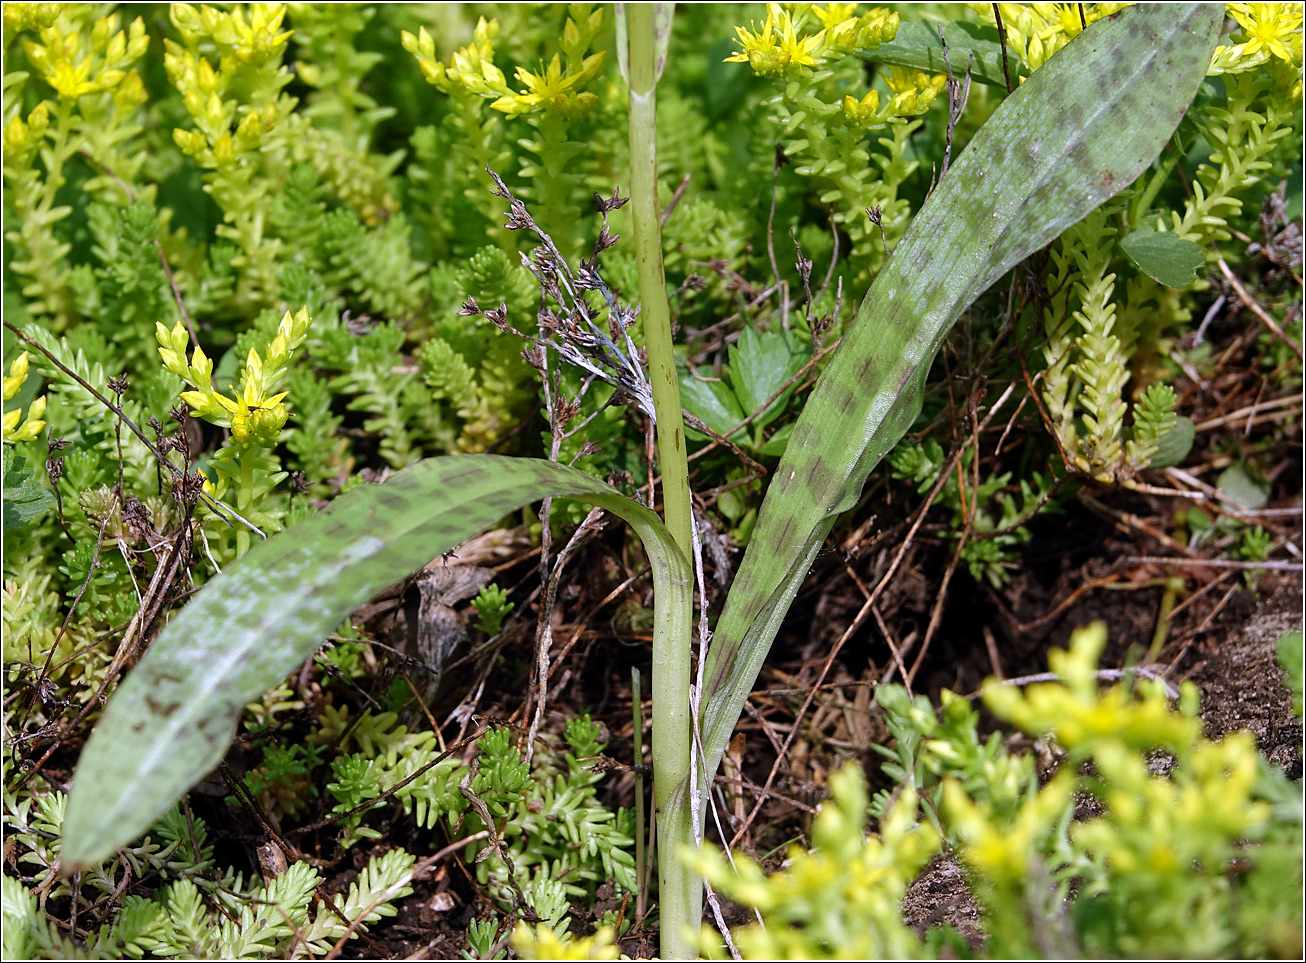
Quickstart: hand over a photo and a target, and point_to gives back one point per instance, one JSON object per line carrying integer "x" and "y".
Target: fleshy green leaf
{"x": 172, "y": 719}
{"x": 1164, "y": 257}
{"x": 917, "y": 45}
{"x": 1078, "y": 131}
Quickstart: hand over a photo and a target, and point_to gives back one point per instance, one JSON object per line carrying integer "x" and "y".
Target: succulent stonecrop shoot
{"x": 236, "y": 105}
{"x": 89, "y": 67}
{"x": 822, "y": 127}
{"x": 1101, "y": 316}
{"x": 552, "y": 98}
{"x": 255, "y": 416}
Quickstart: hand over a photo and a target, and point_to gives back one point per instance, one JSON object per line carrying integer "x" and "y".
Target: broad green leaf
{"x": 1173, "y": 447}
{"x": 917, "y": 45}
{"x": 1164, "y": 257}
{"x": 760, "y": 364}
{"x": 1240, "y": 483}
{"x": 709, "y": 398}
{"x": 1079, "y": 130}
{"x": 25, "y": 500}
{"x": 171, "y": 720}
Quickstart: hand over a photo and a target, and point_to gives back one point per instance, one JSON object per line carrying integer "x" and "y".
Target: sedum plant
{"x": 842, "y": 899}
{"x": 255, "y": 416}
{"x": 1151, "y": 874}
{"x": 95, "y": 109}
{"x": 824, "y": 127}
{"x": 1172, "y": 860}
{"x": 194, "y": 915}
{"x": 1139, "y": 248}
{"x": 1026, "y": 177}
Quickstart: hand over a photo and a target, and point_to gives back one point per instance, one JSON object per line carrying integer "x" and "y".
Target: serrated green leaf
{"x": 1078, "y": 131}
{"x": 1165, "y": 257}
{"x": 760, "y": 363}
{"x": 173, "y": 717}
{"x": 917, "y": 45}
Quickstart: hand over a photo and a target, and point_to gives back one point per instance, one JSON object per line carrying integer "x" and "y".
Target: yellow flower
{"x": 541, "y": 943}
{"x": 913, "y": 90}
{"x": 1271, "y": 28}
{"x": 777, "y": 47}
{"x": 32, "y": 425}
{"x": 834, "y": 14}
{"x": 552, "y": 89}
{"x": 75, "y": 69}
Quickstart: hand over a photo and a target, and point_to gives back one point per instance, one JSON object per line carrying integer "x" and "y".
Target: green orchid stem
{"x": 680, "y": 890}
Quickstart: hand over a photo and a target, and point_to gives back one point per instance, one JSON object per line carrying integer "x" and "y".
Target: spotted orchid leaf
{"x": 1077, "y": 132}
{"x": 172, "y": 719}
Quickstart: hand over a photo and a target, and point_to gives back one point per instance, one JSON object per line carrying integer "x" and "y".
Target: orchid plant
{"x": 1081, "y": 128}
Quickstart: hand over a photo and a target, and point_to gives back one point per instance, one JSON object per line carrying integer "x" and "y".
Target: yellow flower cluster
{"x": 1269, "y": 31}
{"x": 1035, "y": 31}
{"x": 541, "y": 943}
{"x": 21, "y": 140}
{"x": 554, "y": 88}
{"x": 912, "y": 91}
{"x": 75, "y": 64}
{"x": 30, "y": 16}
{"x": 256, "y": 415}
{"x": 31, "y": 426}
{"x": 1160, "y": 826}
{"x": 470, "y": 69}
{"x": 1078, "y": 715}
{"x": 783, "y": 47}
{"x": 1157, "y": 825}
{"x": 843, "y": 896}
{"x": 255, "y": 40}
{"x": 256, "y": 43}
